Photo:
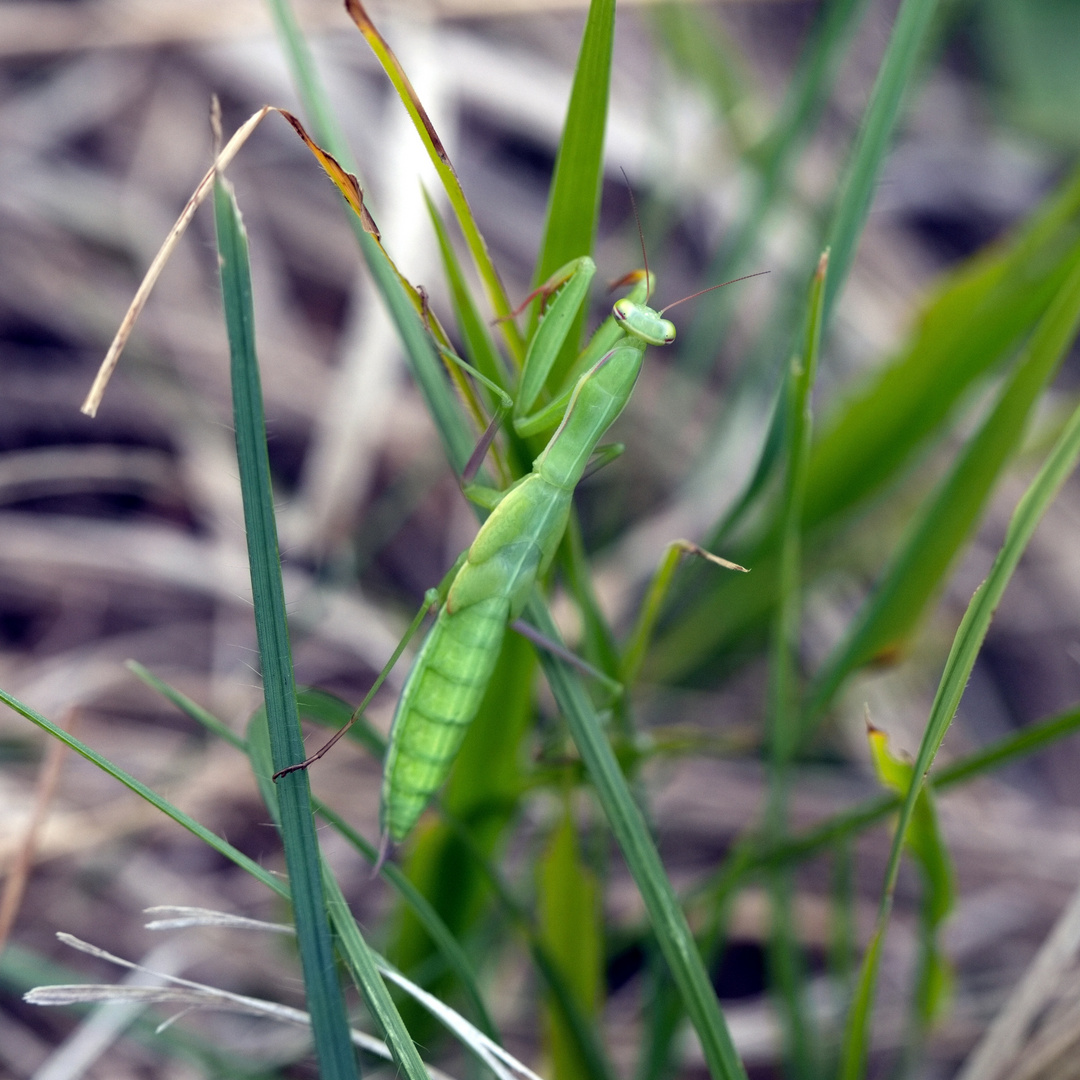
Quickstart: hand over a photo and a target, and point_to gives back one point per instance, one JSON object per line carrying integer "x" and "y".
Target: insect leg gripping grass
{"x": 512, "y": 549}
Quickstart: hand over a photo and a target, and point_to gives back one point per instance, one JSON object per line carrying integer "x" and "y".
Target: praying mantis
{"x": 493, "y": 579}
{"x": 516, "y": 544}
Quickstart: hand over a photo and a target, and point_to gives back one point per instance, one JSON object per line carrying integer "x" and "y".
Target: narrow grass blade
{"x": 916, "y": 573}
{"x": 424, "y": 913}
{"x": 854, "y": 821}
{"x": 332, "y": 711}
{"x": 349, "y": 938}
{"x": 632, "y": 834}
{"x": 423, "y": 360}
{"x": 974, "y": 319}
{"x": 212, "y": 840}
{"x": 330, "y": 1029}
{"x": 569, "y": 915}
{"x": 454, "y": 192}
{"x": 799, "y": 430}
{"x": 933, "y": 976}
{"x": 308, "y": 84}
{"x": 797, "y": 119}
{"x": 335, "y": 712}
{"x": 783, "y": 712}
{"x": 971, "y": 325}
{"x": 574, "y": 198}
{"x": 663, "y": 1016}
{"x": 480, "y": 347}
{"x": 906, "y": 43}
{"x": 186, "y": 705}
{"x": 584, "y": 1033}
{"x": 965, "y": 649}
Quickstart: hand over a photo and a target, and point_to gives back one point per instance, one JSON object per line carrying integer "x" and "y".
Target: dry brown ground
{"x": 120, "y": 537}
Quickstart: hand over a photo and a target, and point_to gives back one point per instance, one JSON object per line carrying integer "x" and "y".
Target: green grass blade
{"x": 973, "y": 322}
{"x": 584, "y": 1033}
{"x": 308, "y": 84}
{"x": 186, "y": 705}
{"x": 663, "y": 1016}
{"x": 349, "y": 938}
{"x": 849, "y": 823}
{"x": 424, "y": 362}
{"x": 329, "y": 1024}
{"x": 212, "y": 840}
{"x": 965, "y": 649}
{"x": 370, "y": 983}
{"x": 700, "y": 49}
{"x": 433, "y": 144}
{"x": 480, "y": 348}
{"x": 842, "y": 957}
{"x": 906, "y": 44}
{"x": 975, "y": 318}
{"x": 916, "y": 573}
{"x": 422, "y": 910}
{"x": 933, "y": 978}
{"x": 804, "y": 104}
{"x": 570, "y": 925}
{"x": 783, "y": 710}
{"x": 332, "y": 711}
{"x": 632, "y": 834}
{"x": 574, "y": 198}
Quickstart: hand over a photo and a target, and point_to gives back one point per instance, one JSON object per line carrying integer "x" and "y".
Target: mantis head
{"x": 640, "y": 321}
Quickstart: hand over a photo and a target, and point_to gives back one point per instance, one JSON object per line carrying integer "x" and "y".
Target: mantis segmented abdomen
{"x": 440, "y": 698}
{"x": 443, "y": 691}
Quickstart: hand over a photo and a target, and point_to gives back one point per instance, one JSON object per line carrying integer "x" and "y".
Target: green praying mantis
{"x": 492, "y": 580}
{"x": 516, "y": 544}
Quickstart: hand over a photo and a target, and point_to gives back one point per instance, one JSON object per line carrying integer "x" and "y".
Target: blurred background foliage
{"x": 122, "y": 537}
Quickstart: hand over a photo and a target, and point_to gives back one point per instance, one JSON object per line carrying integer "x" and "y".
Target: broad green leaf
{"x": 874, "y": 437}
{"x": 977, "y": 316}
{"x": 916, "y": 573}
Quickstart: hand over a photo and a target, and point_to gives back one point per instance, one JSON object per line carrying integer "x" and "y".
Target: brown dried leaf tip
{"x": 344, "y": 181}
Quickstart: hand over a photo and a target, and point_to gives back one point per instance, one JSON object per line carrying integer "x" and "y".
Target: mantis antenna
{"x": 645, "y": 258}
{"x": 641, "y": 234}
{"x": 702, "y": 292}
